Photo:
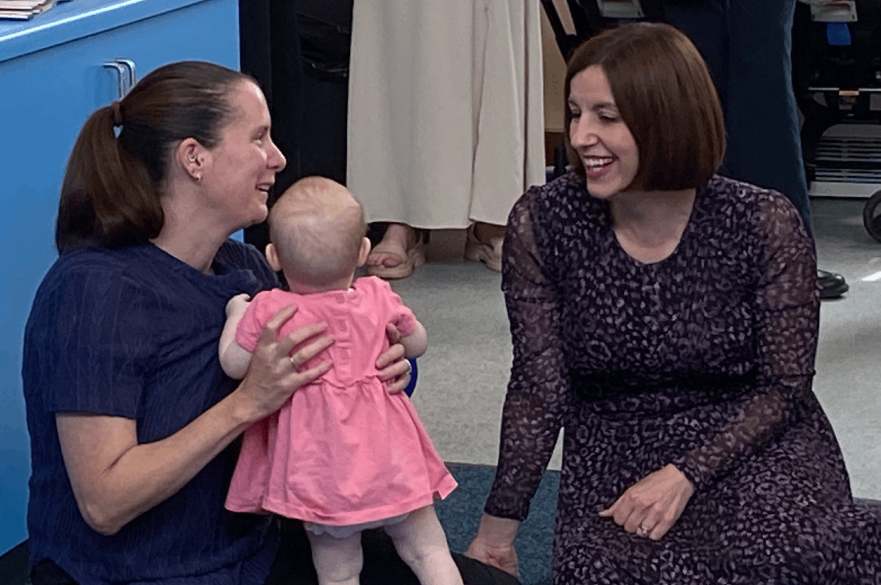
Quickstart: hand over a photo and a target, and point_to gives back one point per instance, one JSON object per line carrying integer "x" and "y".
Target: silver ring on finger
{"x": 643, "y": 531}
{"x": 409, "y": 367}
{"x": 293, "y": 363}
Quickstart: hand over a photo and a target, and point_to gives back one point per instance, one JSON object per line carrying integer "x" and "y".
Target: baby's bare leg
{"x": 422, "y": 544}
{"x": 338, "y": 561}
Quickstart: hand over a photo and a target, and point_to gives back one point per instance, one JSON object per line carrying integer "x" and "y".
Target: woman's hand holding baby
{"x": 274, "y": 373}
{"x": 393, "y": 365}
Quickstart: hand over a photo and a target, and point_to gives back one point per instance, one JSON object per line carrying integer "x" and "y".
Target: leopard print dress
{"x": 703, "y": 360}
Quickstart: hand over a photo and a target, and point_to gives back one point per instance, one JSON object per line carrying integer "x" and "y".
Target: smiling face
{"x": 599, "y": 135}
{"x": 244, "y": 163}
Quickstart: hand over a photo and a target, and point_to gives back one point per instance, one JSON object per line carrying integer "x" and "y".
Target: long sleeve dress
{"x": 703, "y": 360}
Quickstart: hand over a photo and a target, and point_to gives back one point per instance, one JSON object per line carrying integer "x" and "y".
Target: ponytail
{"x": 107, "y": 197}
{"x": 111, "y": 191}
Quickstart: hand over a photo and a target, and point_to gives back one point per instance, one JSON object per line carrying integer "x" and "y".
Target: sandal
{"x": 478, "y": 251}
{"x": 410, "y": 259}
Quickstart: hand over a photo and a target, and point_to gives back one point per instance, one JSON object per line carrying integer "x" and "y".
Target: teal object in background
{"x": 52, "y": 76}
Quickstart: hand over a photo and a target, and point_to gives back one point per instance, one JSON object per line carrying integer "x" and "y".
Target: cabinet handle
{"x": 121, "y": 75}
{"x": 132, "y": 72}
{"x": 126, "y": 74}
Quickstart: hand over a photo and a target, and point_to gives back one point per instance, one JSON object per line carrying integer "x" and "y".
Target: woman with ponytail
{"x": 133, "y": 424}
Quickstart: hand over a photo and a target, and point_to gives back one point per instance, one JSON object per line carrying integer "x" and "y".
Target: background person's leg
{"x": 764, "y": 135}
{"x": 706, "y": 24}
{"x": 747, "y": 47}
{"x": 754, "y": 78}
{"x": 764, "y": 143}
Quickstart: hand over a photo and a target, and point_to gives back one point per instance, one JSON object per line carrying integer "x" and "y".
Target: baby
{"x": 342, "y": 454}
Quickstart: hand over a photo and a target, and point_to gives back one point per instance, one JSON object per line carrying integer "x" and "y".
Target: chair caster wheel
{"x": 872, "y": 216}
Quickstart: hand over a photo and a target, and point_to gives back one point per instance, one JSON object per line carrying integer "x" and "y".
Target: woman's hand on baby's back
{"x": 274, "y": 373}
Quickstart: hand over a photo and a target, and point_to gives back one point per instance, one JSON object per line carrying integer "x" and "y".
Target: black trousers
{"x": 747, "y": 45}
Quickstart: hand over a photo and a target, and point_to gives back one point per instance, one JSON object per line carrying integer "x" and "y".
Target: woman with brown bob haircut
{"x": 667, "y": 318}
{"x": 680, "y": 134}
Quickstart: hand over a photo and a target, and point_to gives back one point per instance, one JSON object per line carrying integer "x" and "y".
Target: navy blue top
{"x": 134, "y": 333}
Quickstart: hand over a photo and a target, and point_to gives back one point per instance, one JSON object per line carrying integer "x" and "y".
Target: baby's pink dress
{"x": 342, "y": 450}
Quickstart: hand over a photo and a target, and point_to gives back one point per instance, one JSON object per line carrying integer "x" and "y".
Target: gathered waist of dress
{"x": 335, "y": 381}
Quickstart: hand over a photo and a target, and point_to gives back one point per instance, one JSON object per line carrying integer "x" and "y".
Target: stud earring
{"x": 198, "y": 178}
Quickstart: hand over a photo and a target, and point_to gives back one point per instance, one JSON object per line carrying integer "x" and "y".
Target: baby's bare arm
{"x": 234, "y": 359}
{"x": 416, "y": 343}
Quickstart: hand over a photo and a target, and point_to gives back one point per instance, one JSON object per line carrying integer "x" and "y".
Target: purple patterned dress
{"x": 704, "y": 360}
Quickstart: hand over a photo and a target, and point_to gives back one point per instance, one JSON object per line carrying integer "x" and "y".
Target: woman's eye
{"x": 574, "y": 114}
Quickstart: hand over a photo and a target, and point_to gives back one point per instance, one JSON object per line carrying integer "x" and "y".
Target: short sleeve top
{"x": 133, "y": 333}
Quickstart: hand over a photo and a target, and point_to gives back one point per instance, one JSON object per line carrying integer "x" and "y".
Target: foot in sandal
{"x": 401, "y": 250}
{"x": 484, "y": 244}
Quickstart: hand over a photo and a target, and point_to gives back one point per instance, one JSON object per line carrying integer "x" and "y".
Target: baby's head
{"x": 317, "y": 233}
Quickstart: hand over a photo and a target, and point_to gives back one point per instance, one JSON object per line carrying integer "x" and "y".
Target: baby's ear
{"x": 363, "y": 252}
{"x": 272, "y": 257}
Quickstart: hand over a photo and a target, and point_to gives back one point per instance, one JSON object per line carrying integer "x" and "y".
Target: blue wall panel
{"x": 51, "y": 79}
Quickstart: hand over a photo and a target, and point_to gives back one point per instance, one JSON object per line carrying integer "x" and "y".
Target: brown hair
{"x": 665, "y": 95}
{"x": 113, "y": 181}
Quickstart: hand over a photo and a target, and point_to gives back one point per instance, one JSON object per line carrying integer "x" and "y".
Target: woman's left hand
{"x": 393, "y": 365}
{"x": 652, "y": 505}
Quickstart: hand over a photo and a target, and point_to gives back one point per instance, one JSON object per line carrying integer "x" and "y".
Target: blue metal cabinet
{"x": 52, "y": 76}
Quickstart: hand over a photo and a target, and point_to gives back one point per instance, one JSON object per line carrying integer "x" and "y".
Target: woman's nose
{"x": 277, "y": 161}
{"x": 582, "y": 132}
